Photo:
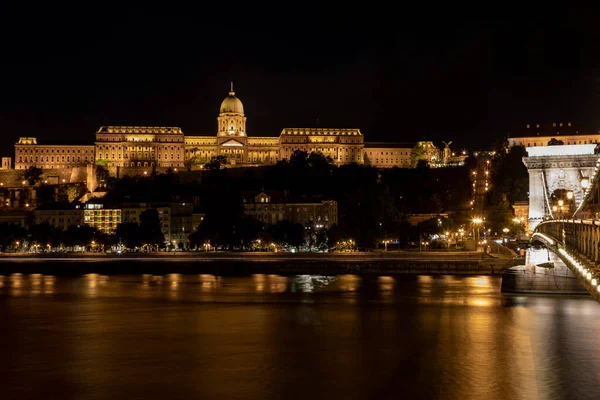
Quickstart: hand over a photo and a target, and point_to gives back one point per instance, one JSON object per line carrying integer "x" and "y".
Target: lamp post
{"x": 385, "y": 243}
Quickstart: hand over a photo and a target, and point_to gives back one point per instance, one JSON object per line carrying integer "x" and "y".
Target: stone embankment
{"x": 402, "y": 263}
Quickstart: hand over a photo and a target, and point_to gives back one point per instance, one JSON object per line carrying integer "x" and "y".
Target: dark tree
{"x": 33, "y": 175}
{"x": 130, "y": 234}
{"x": 45, "y": 194}
{"x": 247, "y": 230}
{"x": 509, "y": 175}
{"x": 101, "y": 174}
{"x": 10, "y": 234}
{"x": 421, "y": 164}
{"x": 215, "y": 163}
{"x": 151, "y": 227}
{"x": 287, "y": 233}
{"x": 42, "y": 234}
{"x": 80, "y": 235}
{"x": 555, "y": 142}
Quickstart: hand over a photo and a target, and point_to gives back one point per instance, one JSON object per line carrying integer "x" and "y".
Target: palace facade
{"x": 168, "y": 147}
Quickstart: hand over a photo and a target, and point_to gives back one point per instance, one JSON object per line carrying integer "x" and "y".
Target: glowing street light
{"x": 385, "y": 242}
{"x": 561, "y": 203}
{"x": 570, "y": 195}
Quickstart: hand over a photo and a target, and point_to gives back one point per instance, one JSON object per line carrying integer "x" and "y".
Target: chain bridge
{"x": 572, "y": 231}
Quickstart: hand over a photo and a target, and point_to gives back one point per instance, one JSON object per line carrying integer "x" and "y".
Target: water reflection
{"x": 270, "y": 283}
{"x": 93, "y": 282}
{"x": 36, "y": 283}
{"x": 209, "y": 282}
{"x": 348, "y": 283}
{"x": 309, "y": 283}
{"x": 49, "y": 281}
{"x": 16, "y": 284}
{"x": 291, "y": 337}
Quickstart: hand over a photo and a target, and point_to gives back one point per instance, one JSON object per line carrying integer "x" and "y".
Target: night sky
{"x": 398, "y": 75}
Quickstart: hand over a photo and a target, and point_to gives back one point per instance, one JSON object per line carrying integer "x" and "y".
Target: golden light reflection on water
{"x": 92, "y": 284}
{"x": 278, "y": 284}
{"x": 348, "y": 282}
{"x": 273, "y": 283}
{"x": 49, "y": 281}
{"x": 464, "y": 346}
{"x": 209, "y": 282}
{"x": 36, "y": 283}
{"x": 16, "y": 284}
{"x": 386, "y": 284}
{"x": 93, "y": 281}
{"x": 259, "y": 282}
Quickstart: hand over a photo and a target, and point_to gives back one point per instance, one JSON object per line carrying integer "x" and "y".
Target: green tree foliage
{"x": 151, "y": 227}
{"x": 33, "y": 175}
{"x": 102, "y": 163}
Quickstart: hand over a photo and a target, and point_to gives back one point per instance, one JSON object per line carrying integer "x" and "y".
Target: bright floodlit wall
{"x": 140, "y": 146}
{"x": 537, "y": 141}
{"x": 342, "y": 145}
{"x": 48, "y": 156}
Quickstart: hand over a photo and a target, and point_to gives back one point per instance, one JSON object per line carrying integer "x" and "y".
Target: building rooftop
{"x": 54, "y": 142}
{"x": 389, "y": 145}
{"x": 173, "y": 130}
{"x": 321, "y": 131}
{"x": 63, "y": 205}
{"x": 551, "y": 129}
{"x": 281, "y": 196}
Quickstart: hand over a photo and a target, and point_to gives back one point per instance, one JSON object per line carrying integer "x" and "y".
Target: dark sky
{"x": 401, "y": 74}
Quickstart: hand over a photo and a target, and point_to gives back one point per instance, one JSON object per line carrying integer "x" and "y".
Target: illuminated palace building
{"x": 168, "y": 147}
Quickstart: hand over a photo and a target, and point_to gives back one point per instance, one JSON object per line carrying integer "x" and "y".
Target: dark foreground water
{"x": 300, "y": 337}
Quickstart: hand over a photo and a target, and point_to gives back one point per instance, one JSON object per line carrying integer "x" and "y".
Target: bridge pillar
{"x": 536, "y": 198}
{"x": 552, "y": 168}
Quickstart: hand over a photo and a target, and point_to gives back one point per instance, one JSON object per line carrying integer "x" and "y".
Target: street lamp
{"x": 385, "y": 242}
{"x": 570, "y": 195}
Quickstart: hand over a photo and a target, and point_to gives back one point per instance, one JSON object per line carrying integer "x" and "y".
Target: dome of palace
{"x": 232, "y": 104}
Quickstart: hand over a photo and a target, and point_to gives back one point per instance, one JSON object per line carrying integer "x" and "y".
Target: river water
{"x": 298, "y": 337}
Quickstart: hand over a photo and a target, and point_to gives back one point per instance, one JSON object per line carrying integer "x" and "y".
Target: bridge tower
{"x": 557, "y": 168}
